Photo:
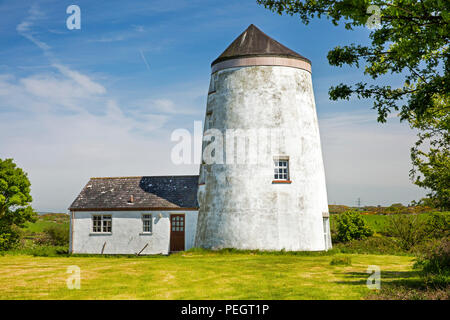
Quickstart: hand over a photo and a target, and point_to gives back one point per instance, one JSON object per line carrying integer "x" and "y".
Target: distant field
{"x": 46, "y": 220}
{"x": 201, "y": 275}
{"x": 376, "y": 221}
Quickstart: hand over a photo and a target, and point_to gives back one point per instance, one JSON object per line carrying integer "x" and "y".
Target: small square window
{"x": 281, "y": 170}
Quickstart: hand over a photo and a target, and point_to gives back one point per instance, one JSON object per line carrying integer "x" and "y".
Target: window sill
{"x": 145, "y": 233}
{"x": 100, "y": 233}
{"x": 281, "y": 181}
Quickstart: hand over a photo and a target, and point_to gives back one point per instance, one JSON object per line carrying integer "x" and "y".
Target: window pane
{"x": 281, "y": 171}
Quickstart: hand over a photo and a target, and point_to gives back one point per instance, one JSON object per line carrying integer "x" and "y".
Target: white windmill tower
{"x": 276, "y": 198}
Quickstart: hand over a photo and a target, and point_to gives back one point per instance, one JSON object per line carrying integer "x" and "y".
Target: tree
{"x": 351, "y": 226}
{"x": 431, "y": 167}
{"x": 438, "y": 225}
{"x": 412, "y": 41}
{"x": 15, "y": 201}
{"x": 408, "y": 229}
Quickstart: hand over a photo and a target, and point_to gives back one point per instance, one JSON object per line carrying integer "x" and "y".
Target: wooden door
{"x": 177, "y": 228}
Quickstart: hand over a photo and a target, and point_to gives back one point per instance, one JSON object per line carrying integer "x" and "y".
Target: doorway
{"x": 177, "y": 229}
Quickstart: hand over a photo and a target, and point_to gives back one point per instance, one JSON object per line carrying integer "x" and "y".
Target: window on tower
{"x": 212, "y": 85}
{"x": 281, "y": 170}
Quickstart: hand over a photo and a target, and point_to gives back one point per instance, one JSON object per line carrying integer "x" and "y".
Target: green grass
{"x": 45, "y": 221}
{"x": 377, "y": 222}
{"x": 199, "y": 274}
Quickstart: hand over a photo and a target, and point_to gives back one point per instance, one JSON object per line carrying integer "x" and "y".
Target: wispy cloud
{"x": 25, "y": 28}
{"x": 63, "y": 126}
{"x": 113, "y": 38}
{"x": 145, "y": 60}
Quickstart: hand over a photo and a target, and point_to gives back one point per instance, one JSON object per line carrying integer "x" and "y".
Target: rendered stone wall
{"x": 127, "y": 236}
{"x": 240, "y": 206}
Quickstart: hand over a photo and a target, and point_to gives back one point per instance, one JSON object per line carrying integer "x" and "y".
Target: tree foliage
{"x": 431, "y": 154}
{"x": 15, "y": 201}
{"x": 351, "y": 226}
{"x": 412, "y": 41}
{"x": 409, "y": 230}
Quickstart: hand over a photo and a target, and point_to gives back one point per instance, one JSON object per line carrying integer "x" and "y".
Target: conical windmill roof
{"x": 255, "y": 43}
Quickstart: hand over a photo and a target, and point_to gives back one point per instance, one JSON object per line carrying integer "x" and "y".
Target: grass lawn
{"x": 199, "y": 275}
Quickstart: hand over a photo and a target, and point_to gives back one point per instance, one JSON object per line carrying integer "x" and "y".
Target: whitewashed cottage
{"x": 135, "y": 215}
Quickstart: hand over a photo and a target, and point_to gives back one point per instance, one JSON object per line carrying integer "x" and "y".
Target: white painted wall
{"x": 240, "y": 207}
{"x": 127, "y": 236}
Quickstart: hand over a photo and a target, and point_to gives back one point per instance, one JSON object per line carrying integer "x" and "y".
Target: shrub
{"x": 371, "y": 245}
{"x": 409, "y": 230}
{"x": 9, "y": 236}
{"x": 350, "y": 225}
{"x": 434, "y": 262}
{"x": 343, "y": 261}
{"x": 48, "y": 251}
{"x": 58, "y": 234}
{"x": 43, "y": 239}
{"x": 438, "y": 225}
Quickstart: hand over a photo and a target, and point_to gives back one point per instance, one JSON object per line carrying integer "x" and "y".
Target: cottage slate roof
{"x": 253, "y": 43}
{"x": 138, "y": 193}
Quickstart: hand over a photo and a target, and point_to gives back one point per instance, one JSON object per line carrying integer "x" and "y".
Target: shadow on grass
{"x": 399, "y": 285}
{"x": 396, "y": 278}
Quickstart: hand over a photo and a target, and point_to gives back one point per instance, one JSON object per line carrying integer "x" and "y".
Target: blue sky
{"x": 103, "y": 100}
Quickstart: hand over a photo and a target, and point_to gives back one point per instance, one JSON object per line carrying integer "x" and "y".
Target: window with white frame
{"x": 281, "y": 169}
{"x": 101, "y": 223}
{"x": 147, "y": 223}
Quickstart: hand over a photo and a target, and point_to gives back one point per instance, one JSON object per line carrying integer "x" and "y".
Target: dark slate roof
{"x": 253, "y": 42}
{"x": 159, "y": 192}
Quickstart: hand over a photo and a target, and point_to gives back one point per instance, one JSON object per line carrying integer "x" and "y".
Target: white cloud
{"x": 60, "y": 150}
{"x": 84, "y": 81}
{"x": 62, "y": 127}
{"x": 25, "y": 28}
{"x": 113, "y": 38}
